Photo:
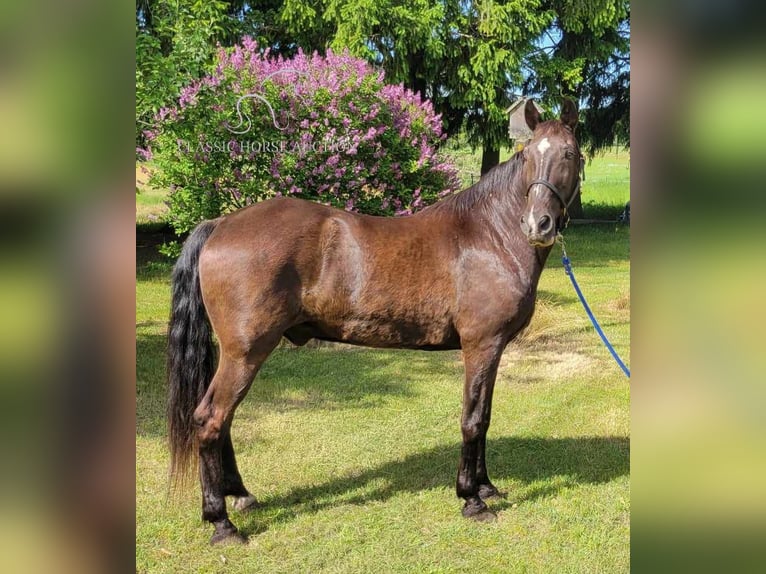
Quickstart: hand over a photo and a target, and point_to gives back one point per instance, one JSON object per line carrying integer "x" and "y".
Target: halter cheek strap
{"x": 564, "y": 204}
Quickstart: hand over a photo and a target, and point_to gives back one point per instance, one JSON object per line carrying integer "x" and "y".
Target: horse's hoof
{"x": 489, "y": 492}
{"x": 227, "y": 533}
{"x": 479, "y": 512}
{"x": 245, "y": 503}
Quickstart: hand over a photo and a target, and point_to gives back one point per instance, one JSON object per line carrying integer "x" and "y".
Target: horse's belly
{"x": 378, "y": 332}
{"x": 399, "y": 334}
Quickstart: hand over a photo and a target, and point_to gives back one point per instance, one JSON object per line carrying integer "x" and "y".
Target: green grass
{"x": 353, "y": 452}
{"x": 606, "y": 188}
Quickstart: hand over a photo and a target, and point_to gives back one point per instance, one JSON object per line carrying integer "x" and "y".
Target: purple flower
{"x": 334, "y": 146}
{"x": 162, "y": 114}
{"x": 189, "y": 95}
{"x": 145, "y": 154}
{"x": 249, "y": 44}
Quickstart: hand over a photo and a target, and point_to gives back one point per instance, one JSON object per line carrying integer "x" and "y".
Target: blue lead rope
{"x": 568, "y": 270}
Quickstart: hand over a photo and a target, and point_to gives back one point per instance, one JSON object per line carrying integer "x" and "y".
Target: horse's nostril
{"x": 544, "y": 224}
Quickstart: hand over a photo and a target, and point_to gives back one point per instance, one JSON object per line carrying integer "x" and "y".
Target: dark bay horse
{"x": 461, "y": 274}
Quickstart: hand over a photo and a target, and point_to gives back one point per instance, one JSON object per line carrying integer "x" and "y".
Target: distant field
{"x": 607, "y": 184}
{"x": 605, "y": 190}
{"x": 150, "y": 202}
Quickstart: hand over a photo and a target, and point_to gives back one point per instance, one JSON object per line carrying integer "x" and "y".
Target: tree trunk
{"x": 570, "y": 46}
{"x": 490, "y": 157}
{"x": 417, "y": 82}
{"x": 575, "y": 210}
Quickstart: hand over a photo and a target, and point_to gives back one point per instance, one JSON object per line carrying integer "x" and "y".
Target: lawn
{"x": 353, "y": 452}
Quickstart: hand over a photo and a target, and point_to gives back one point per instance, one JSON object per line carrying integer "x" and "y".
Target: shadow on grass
{"x": 150, "y": 263}
{"x": 596, "y": 245}
{"x": 544, "y": 466}
{"x": 601, "y": 210}
{"x": 300, "y": 378}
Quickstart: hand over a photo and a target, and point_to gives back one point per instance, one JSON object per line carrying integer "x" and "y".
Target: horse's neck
{"x": 503, "y": 227}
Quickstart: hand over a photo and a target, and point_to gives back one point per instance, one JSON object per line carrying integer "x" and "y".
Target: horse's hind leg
{"x": 213, "y": 417}
{"x": 232, "y": 480}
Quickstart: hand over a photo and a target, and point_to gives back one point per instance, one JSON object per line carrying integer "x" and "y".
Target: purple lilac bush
{"x": 325, "y": 128}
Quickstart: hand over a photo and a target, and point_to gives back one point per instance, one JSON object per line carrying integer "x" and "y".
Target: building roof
{"x": 517, "y": 124}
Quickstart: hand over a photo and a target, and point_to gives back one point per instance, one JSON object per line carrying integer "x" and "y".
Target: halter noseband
{"x": 564, "y": 204}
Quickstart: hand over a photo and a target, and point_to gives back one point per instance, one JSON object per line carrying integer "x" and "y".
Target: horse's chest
{"x": 495, "y": 294}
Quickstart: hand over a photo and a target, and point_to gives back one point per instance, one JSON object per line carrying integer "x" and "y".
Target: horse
{"x": 460, "y": 274}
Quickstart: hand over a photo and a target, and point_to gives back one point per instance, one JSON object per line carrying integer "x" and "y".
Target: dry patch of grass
{"x": 544, "y": 325}
{"x": 621, "y": 303}
{"x": 522, "y": 366}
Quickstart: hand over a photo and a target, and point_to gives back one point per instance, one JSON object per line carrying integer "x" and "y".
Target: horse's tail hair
{"x": 191, "y": 353}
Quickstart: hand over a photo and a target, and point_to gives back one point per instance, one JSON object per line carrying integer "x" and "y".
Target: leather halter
{"x": 564, "y": 204}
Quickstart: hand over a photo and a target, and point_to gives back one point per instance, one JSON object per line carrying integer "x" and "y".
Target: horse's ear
{"x": 531, "y": 115}
{"x": 569, "y": 115}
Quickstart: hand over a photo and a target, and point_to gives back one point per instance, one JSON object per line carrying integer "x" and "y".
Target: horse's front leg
{"x": 481, "y": 361}
{"x": 487, "y": 490}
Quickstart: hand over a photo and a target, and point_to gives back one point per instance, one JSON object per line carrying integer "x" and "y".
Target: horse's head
{"x": 551, "y": 172}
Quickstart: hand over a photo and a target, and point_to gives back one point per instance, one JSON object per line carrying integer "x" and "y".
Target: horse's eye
{"x": 569, "y": 154}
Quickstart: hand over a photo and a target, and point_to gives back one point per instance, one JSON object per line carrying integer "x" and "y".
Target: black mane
{"x": 501, "y": 179}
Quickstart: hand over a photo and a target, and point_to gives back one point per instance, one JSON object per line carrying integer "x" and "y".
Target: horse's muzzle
{"x": 540, "y": 232}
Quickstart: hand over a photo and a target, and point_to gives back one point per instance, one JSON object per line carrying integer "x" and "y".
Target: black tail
{"x": 191, "y": 356}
